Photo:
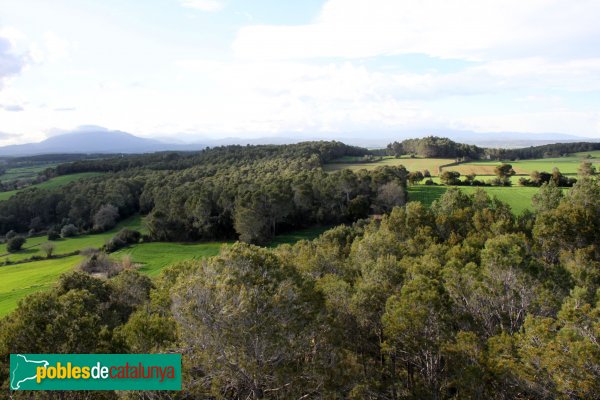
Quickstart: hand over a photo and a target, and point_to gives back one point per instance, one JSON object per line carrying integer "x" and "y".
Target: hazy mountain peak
{"x": 91, "y": 139}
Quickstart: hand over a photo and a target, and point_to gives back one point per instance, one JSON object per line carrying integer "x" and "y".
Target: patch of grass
{"x": 52, "y": 183}
{"x": 484, "y": 178}
{"x": 425, "y": 194}
{"x": 567, "y": 165}
{"x": 518, "y": 198}
{"x": 27, "y": 172}
{"x": 296, "y": 236}
{"x": 68, "y": 245}
{"x": 20, "y": 280}
{"x": 153, "y": 257}
{"x": 584, "y": 154}
{"x": 411, "y": 164}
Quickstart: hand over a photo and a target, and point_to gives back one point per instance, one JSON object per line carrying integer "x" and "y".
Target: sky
{"x": 183, "y": 70}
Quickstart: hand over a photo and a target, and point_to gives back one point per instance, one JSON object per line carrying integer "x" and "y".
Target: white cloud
{"x": 50, "y": 49}
{"x": 204, "y": 5}
{"x": 10, "y": 63}
{"x": 482, "y": 29}
{"x": 532, "y": 56}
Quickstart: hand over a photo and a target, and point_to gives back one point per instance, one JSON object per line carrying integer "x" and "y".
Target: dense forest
{"x": 461, "y": 300}
{"x": 543, "y": 151}
{"x": 436, "y": 147}
{"x": 250, "y": 193}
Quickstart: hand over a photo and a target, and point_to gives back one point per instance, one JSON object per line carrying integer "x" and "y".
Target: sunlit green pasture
{"x": 27, "y": 172}
{"x": 19, "y": 280}
{"x": 33, "y": 246}
{"x": 51, "y": 183}
{"x": 411, "y": 164}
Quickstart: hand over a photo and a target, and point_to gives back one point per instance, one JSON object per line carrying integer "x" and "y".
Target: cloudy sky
{"x": 187, "y": 69}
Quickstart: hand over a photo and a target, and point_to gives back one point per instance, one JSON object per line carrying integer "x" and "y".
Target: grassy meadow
{"x": 51, "y": 183}
{"x": 483, "y": 169}
{"x": 68, "y": 245}
{"x": 518, "y": 198}
{"x": 19, "y": 280}
{"x": 28, "y": 172}
{"x": 153, "y": 257}
{"x": 567, "y": 165}
{"x": 411, "y": 164}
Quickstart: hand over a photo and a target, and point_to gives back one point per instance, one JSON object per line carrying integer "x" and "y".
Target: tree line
{"x": 247, "y": 192}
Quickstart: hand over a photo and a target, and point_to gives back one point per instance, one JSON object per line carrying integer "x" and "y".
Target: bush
{"x": 123, "y": 238}
{"x": 89, "y": 251}
{"x": 106, "y": 218}
{"x": 48, "y": 248}
{"x": 15, "y": 243}
{"x": 10, "y": 234}
{"x": 100, "y": 263}
{"x": 69, "y": 230}
{"x": 53, "y": 234}
{"x": 114, "y": 244}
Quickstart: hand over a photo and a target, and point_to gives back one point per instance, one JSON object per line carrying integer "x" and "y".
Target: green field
{"x": 29, "y": 172}
{"x": 411, "y": 164}
{"x": 425, "y": 194}
{"x": 567, "y": 165}
{"x": 51, "y": 183}
{"x": 20, "y": 280}
{"x": 517, "y": 197}
{"x": 483, "y": 169}
{"x": 153, "y": 257}
{"x": 295, "y": 236}
{"x": 64, "y": 246}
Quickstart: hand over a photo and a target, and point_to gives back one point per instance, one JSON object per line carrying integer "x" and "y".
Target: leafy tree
{"x": 53, "y": 234}
{"x": 251, "y": 222}
{"x": 15, "y": 244}
{"x": 417, "y": 324}
{"x": 415, "y": 177}
{"x": 106, "y": 217}
{"x": 389, "y": 196}
{"x": 547, "y": 198}
{"x": 69, "y": 230}
{"x": 48, "y": 249}
{"x": 123, "y": 238}
{"x": 450, "y": 178}
{"x": 586, "y": 168}
{"x": 264, "y": 341}
{"x": 503, "y": 174}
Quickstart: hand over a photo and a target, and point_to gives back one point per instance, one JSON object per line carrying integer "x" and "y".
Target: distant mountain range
{"x": 94, "y": 141}
{"x": 100, "y": 140}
